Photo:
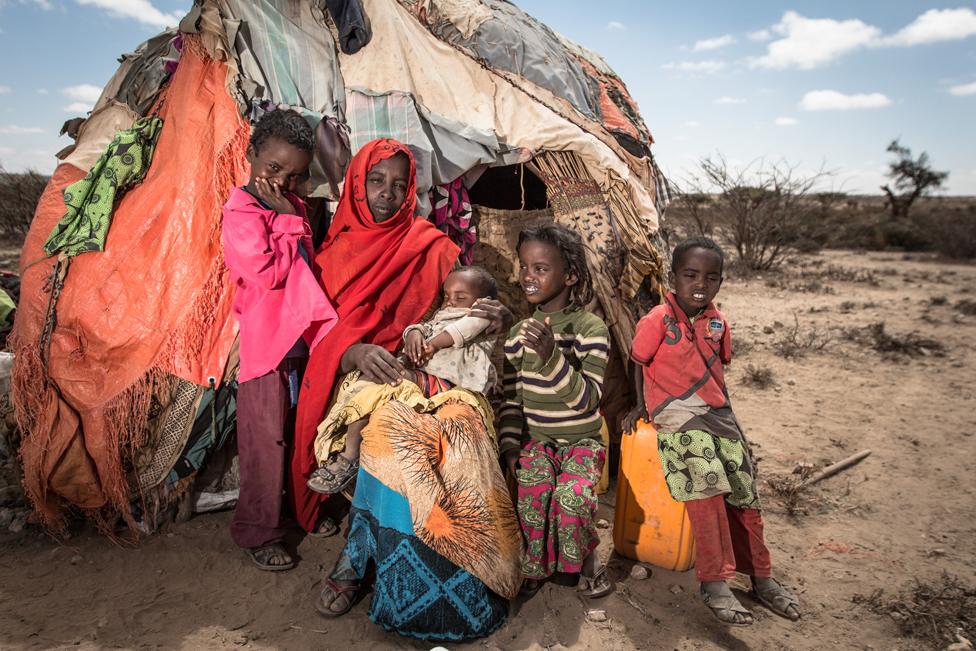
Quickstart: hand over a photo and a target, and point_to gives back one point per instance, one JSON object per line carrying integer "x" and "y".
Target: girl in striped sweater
{"x": 550, "y": 420}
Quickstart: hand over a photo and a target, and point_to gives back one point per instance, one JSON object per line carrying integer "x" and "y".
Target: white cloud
{"x": 936, "y": 25}
{"x": 713, "y": 43}
{"x": 832, "y": 100}
{"x": 83, "y": 93}
{"x": 784, "y": 122}
{"x": 43, "y": 4}
{"x": 6, "y": 151}
{"x": 807, "y": 43}
{"x": 4, "y": 90}
{"x": 708, "y": 67}
{"x": 810, "y": 42}
{"x": 730, "y": 100}
{"x": 691, "y": 124}
{"x": 759, "y": 35}
{"x": 964, "y": 89}
{"x": 77, "y": 107}
{"x": 15, "y": 130}
{"x": 141, "y": 10}
{"x": 616, "y": 26}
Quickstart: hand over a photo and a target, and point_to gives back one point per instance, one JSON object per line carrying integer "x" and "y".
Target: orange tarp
{"x": 155, "y": 302}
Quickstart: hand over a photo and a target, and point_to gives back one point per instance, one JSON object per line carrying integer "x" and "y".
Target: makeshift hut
{"x": 124, "y": 341}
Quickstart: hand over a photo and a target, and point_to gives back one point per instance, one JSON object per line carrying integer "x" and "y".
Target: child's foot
{"x": 334, "y": 476}
{"x": 596, "y": 586}
{"x": 719, "y": 598}
{"x": 271, "y": 557}
{"x": 772, "y": 594}
{"x": 594, "y": 581}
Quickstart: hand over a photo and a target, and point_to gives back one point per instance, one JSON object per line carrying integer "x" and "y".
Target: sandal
{"x": 326, "y": 528}
{"x": 777, "y": 598}
{"x": 331, "y": 482}
{"x": 338, "y": 591}
{"x": 262, "y": 557}
{"x": 596, "y": 586}
{"x": 725, "y": 607}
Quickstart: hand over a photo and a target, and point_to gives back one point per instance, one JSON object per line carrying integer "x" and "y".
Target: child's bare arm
{"x": 639, "y": 412}
{"x": 443, "y": 340}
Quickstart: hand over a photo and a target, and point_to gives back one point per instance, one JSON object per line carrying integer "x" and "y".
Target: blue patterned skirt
{"x": 417, "y": 592}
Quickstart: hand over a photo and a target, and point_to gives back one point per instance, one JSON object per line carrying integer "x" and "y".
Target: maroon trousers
{"x": 727, "y": 540}
{"x": 265, "y": 425}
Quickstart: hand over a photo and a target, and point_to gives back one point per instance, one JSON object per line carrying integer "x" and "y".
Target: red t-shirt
{"x": 684, "y": 379}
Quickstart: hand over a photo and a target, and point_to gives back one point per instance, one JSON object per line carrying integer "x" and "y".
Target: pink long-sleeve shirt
{"x": 278, "y": 298}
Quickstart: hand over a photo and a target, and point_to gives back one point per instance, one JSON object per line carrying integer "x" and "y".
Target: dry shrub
{"x": 797, "y": 341}
{"x": 938, "y": 300}
{"x": 759, "y": 377}
{"x": 787, "y": 489}
{"x": 812, "y": 286}
{"x": 952, "y": 231}
{"x": 911, "y": 344}
{"x": 19, "y": 194}
{"x": 842, "y": 274}
{"x": 967, "y": 307}
{"x": 933, "y": 612}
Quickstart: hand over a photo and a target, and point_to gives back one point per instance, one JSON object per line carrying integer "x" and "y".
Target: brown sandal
{"x": 725, "y": 607}
{"x": 596, "y": 586}
{"x": 263, "y": 555}
{"x": 347, "y": 592}
{"x": 778, "y": 599}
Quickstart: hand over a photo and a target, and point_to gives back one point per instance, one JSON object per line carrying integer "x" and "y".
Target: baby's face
{"x": 460, "y": 290}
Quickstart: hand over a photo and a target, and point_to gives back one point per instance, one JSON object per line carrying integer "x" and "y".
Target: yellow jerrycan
{"x": 649, "y": 525}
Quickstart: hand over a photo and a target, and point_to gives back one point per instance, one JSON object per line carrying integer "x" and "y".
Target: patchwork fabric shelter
{"x": 124, "y": 358}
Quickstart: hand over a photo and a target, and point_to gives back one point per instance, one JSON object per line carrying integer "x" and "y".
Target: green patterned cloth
{"x": 7, "y": 307}
{"x": 90, "y": 201}
{"x": 698, "y": 465}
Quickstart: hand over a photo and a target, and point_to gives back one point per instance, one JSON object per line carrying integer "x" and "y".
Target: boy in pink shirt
{"x": 281, "y": 312}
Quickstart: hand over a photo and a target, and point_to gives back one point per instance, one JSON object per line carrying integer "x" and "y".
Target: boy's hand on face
{"x": 537, "y": 336}
{"x": 270, "y": 193}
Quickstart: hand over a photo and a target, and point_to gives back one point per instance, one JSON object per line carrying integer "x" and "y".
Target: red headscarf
{"x": 380, "y": 278}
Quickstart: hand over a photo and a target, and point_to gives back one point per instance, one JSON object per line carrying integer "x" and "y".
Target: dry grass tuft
{"x": 933, "y": 612}
{"x": 797, "y": 342}
{"x": 759, "y": 377}
{"x": 911, "y": 344}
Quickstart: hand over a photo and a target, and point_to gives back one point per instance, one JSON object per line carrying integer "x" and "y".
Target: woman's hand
{"x": 416, "y": 348}
{"x": 492, "y": 309}
{"x": 270, "y": 193}
{"x": 374, "y": 362}
{"x": 538, "y": 337}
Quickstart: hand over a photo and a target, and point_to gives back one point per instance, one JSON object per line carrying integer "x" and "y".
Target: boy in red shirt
{"x": 682, "y": 347}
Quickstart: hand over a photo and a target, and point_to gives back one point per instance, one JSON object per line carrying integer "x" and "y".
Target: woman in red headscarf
{"x": 382, "y": 270}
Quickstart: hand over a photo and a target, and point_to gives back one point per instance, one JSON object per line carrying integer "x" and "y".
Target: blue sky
{"x": 809, "y": 83}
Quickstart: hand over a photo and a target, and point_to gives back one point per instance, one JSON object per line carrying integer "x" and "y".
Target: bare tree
{"x": 912, "y": 178}
{"x": 765, "y": 210}
{"x": 19, "y": 193}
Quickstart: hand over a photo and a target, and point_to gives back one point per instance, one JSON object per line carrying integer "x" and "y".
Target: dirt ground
{"x": 893, "y": 518}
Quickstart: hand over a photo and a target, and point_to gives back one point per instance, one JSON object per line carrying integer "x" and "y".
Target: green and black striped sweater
{"x": 556, "y": 400}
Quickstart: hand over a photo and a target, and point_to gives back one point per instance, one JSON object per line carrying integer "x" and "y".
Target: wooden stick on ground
{"x": 833, "y": 469}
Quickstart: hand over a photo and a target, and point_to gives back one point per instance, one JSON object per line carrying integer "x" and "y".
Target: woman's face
{"x": 386, "y": 186}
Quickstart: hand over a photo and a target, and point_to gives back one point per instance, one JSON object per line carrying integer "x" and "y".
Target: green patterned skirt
{"x": 698, "y": 465}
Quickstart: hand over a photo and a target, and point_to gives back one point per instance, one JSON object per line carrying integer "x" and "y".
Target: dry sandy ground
{"x": 907, "y": 511}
